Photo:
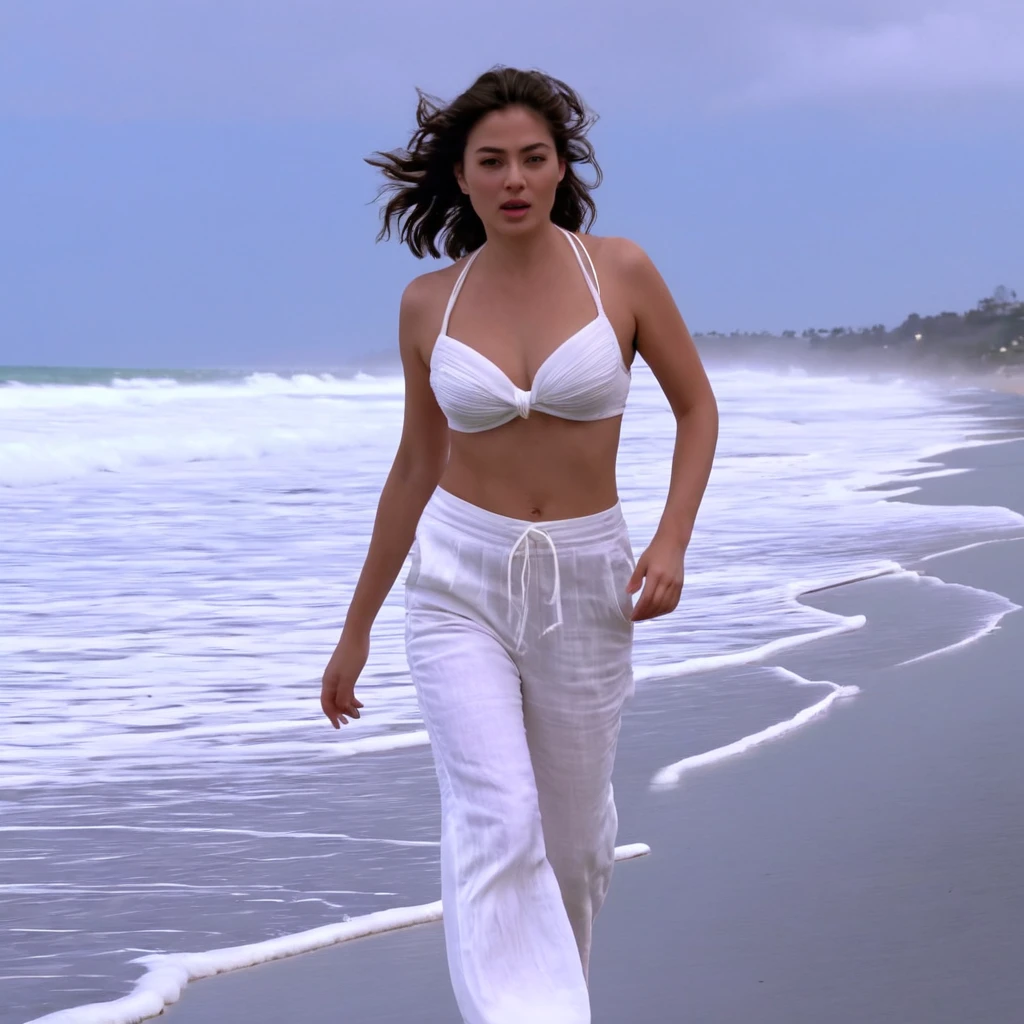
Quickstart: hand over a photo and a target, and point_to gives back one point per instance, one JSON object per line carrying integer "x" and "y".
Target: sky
{"x": 182, "y": 182}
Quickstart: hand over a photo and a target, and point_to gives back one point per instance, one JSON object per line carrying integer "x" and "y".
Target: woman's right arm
{"x": 415, "y": 472}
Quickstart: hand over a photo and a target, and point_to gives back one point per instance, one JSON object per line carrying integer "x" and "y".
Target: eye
{"x": 489, "y": 161}
{"x": 536, "y": 156}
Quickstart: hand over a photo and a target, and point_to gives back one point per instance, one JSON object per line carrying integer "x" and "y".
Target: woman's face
{"x": 510, "y": 171}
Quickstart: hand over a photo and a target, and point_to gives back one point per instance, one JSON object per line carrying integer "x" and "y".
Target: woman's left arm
{"x": 664, "y": 343}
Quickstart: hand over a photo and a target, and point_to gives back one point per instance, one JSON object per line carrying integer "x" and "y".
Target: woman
{"x": 519, "y": 609}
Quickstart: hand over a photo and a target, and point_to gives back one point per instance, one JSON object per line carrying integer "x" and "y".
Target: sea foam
{"x": 167, "y": 974}
{"x": 178, "y": 556}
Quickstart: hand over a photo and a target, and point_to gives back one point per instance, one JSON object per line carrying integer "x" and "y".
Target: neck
{"x": 520, "y": 253}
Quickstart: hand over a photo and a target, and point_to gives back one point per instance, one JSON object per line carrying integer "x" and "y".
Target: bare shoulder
{"x": 622, "y": 255}
{"x": 422, "y": 307}
{"x": 426, "y": 291}
{"x": 621, "y": 260}
{"x": 625, "y": 266}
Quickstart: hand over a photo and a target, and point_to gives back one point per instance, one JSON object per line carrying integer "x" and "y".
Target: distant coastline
{"x": 987, "y": 340}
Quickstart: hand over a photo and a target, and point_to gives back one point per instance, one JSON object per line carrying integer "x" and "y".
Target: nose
{"x": 514, "y": 179}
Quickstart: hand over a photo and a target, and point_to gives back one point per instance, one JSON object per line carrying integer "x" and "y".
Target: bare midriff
{"x": 539, "y": 468}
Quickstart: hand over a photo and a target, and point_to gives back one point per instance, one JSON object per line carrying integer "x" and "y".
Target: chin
{"x": 531, "y": 222}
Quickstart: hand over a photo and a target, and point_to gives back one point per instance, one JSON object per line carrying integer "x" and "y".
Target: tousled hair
{"x": 423, "y": 197}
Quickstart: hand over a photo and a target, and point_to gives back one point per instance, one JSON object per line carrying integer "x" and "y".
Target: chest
{"x": 519, "y": 327}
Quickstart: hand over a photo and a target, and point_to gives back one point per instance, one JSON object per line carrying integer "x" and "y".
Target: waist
{"x": 533, "y": 470}
{"x": 447, "y": 509}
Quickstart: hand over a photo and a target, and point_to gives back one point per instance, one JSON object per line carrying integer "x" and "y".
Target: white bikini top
{"x": 585, "y": 378}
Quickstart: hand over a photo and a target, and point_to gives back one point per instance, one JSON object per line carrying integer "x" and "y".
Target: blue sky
{"x": 181, "y": 183}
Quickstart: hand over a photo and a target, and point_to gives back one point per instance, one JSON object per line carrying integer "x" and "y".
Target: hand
{"x": 337, "y": 697}
{"x": 661, "y": 565}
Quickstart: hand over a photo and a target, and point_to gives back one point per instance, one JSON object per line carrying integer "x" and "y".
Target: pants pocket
{"x": 414, "y": 566}
{"x": 620, "y": 568}
{"x": 433, "y": 560}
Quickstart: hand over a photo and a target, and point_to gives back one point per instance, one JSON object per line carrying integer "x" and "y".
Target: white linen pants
{"x": 519, "y": 641}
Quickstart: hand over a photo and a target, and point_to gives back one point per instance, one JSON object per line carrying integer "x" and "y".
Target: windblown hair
{"x": 423, "y": 197}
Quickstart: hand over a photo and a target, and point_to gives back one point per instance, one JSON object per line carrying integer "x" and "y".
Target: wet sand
{"x": 865, "y": 869}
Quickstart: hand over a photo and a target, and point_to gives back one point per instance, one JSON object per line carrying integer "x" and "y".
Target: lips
{"x": 515, "y": 204}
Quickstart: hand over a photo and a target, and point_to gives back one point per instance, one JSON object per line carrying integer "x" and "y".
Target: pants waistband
{"x": 474, "y": 521}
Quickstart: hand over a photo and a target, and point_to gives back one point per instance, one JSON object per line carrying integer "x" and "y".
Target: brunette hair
{"x": 423, "y": 197}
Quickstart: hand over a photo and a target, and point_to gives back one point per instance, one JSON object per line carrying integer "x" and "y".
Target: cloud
{"x": 301, "y": 59}
{"x": 126, "y": 59}
{"x": 934, "y": 53}
{"x": 295, "y": 59}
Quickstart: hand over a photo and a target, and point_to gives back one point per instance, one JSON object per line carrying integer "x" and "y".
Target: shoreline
{"x": 379, "y": 954}
{"x": 862, "y": 869}
{"x": 721, "y": 795}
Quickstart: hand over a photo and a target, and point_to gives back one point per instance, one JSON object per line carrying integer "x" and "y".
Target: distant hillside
{"x": 988, "y": 337}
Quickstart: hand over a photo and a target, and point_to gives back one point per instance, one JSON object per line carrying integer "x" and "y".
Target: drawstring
{"x": 524, "y": 581}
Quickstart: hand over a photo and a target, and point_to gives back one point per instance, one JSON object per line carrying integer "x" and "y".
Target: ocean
{"x": 178, "y": 552}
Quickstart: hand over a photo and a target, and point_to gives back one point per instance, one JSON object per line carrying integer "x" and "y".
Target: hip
{"x": 520, "y": 577}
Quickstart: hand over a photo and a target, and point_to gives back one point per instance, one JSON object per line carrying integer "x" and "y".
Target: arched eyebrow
{"x": 526, "y": 149}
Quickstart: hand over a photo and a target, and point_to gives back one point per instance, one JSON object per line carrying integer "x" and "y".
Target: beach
{"x": 834, "y": 826}
{"x": 866, "y": 867}
{"x": 238, "y": 295}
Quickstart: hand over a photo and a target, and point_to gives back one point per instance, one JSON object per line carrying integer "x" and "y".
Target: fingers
{"x": 645, "y": 606}
{"x": 661, "y": 591}
{"x": 339, "y": 704}
{"x": 660, "y": 596}
{"x": 638, "y": 577}
{"x": 328, "y": 709}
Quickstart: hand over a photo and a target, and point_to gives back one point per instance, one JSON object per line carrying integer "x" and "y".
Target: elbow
{"x": 701, "y": 407}
{"x": 419, "y": 467}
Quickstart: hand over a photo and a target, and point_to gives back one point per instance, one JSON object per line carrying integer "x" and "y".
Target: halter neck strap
{"x": 574, "y": 243}
{"x": 458, "y": 288}
{"x": 592, "y": 282}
